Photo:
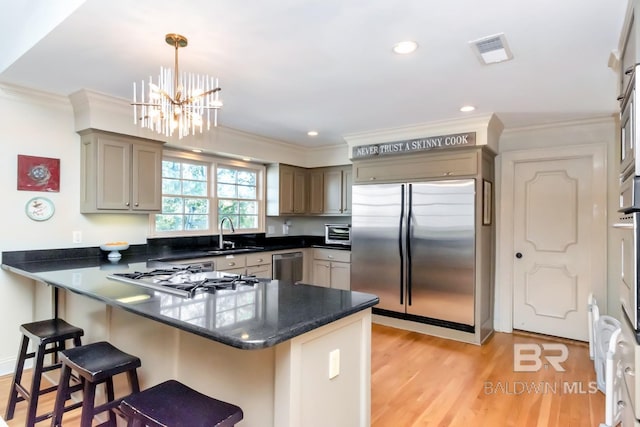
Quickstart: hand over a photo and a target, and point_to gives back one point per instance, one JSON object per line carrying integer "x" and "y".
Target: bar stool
{"x": 173, "y": 404}
{"x": 48, "y": 336}
{"x": 95, "y": 363}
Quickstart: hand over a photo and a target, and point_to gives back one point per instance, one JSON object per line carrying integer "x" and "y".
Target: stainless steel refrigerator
{"x": 413, "y": 245}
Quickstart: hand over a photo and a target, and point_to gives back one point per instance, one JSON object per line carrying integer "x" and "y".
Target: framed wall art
{"x": 38, "y": 173}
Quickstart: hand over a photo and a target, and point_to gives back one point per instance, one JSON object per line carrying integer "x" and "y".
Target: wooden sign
{"x": 414, "y": 145}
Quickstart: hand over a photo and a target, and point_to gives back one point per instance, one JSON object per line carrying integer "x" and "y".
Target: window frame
{"x": 213, "y": 162}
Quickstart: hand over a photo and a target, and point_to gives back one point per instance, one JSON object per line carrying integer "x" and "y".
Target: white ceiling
{"x": 289, "y": 66}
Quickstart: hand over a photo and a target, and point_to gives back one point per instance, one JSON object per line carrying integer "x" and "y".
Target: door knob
{"x": 518, "y": 255}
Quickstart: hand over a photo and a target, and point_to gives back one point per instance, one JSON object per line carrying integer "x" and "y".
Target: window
{"x": 237, "y": 191}
{"x": 185, "y": 201}
{"x": 198, "y": 191}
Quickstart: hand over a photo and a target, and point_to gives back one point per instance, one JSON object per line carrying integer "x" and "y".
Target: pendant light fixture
{"x": 179, "y": 103}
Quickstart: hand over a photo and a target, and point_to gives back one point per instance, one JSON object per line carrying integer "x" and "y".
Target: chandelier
{"x": 177, "y": 103}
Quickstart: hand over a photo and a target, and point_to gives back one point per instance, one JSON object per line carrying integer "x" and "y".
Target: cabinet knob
{"x": 136, "y": 204}
{"x": 447, "y": 174}
{"x": 127, "y": 204}
{"x": 629, "y": 70}
{"x": 373, "y": 178}
{"x": 620, "y": 98}
{"x": 260, "y": 260}
{"x": 518, "y": 255}
{"x": 231, "y": 264}
{"x": 629, "y": 371}
{"x": 330, "y": 257}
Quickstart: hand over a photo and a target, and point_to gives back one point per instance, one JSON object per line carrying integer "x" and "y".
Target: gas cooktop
{"x": 184, "y": 281}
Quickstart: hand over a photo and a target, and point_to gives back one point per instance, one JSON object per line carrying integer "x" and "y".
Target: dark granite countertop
{"x": 156, "y": 250}
{"x": 250, "y": 317}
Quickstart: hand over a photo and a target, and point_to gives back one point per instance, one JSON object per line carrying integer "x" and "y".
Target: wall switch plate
{"x": 77, "y": 237}
{"x": 334, "y": 363}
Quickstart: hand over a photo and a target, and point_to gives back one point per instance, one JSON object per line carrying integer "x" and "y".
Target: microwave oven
{"x": 337, "y": 234}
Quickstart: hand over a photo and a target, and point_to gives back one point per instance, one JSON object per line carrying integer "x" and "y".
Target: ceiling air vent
{"x": 492, "y": 49}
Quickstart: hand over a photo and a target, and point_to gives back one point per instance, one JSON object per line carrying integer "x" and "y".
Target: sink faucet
{"x": 221, "y": 237}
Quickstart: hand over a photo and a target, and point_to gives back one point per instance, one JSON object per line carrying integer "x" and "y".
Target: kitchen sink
{"x": 232, "y": 251}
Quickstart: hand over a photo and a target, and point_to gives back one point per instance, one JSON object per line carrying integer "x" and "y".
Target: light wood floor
{"x": 420, "y": 380}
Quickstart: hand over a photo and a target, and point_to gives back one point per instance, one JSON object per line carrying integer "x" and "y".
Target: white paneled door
{"x": 553, "y": 220}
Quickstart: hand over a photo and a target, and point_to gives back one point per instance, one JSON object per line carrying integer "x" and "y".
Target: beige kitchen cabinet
{"x": 119, "y": 173}
{"x": 347, "y": 182}
{"x": 316, "y": 191}
{"x": 449, "y": 163}
{"x": 234, "y": 264}
{"x": 259, "y": 265}
{"x": 286, "y": 190}
{"x": 330, "y": 190}
{"x": 629, "y": 53}
{"x": 332, "y": 268}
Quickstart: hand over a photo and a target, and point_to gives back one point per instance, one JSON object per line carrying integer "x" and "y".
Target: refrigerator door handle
{"x": 409, "y": 215}
{"x": 400, "y": 250}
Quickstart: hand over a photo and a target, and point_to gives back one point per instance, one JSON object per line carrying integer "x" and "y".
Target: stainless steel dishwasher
{"x": 287, "y": 267}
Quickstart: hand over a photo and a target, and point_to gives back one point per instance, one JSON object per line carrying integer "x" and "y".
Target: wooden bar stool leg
{"x": 89, "y": 395}
{"x": 133, "y": 381}
{"x": 35, "y": 385}
{"x": 61, "y": 397}
{"x": 17, "y": 378}
{"x": 110, "y": 398}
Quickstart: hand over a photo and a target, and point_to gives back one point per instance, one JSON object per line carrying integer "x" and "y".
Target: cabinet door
{"x": 146, "y": 190}
{"x": 286, "y": 190}
{"x": 333, "y": 191}
{"x": 341, "y": 275}
{"x": 316, "y": 192}
{"x": 322, "y": 273}
{"x": 628, "y": 58}
{"x": 347, "y": 182}
{"x": 460, "y": 162}
{"x": 113, "y": 174}
{"x": 299, "y": 191}
{"x": 261, "y": 271}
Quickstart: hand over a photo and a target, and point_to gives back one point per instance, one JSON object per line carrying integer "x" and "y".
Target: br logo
{"x": 532, "y": 357}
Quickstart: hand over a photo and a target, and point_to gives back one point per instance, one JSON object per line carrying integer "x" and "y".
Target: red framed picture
{"x": 38, "y": 173}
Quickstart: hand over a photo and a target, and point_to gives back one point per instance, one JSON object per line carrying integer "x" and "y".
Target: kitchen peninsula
{"x": 288, "y": 355}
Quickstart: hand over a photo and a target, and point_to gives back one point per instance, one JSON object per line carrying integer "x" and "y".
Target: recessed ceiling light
{"x": 405, "y": 47}
{"x": 312, "y": 133}
{"x": 246, "y": 159}
{"x": 195, "y": 150}
{"x": 467, "y": 108}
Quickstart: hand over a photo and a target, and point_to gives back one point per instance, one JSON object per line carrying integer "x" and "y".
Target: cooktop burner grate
{"x": 185, "y": 280}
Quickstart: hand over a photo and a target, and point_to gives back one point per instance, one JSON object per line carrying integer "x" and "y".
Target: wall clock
{"x": 40, "y": 209}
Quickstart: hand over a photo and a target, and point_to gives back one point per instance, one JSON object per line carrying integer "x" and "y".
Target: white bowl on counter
{"x": 114, "y": 250}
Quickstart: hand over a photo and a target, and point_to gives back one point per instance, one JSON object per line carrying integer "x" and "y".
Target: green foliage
{"x": 186, "y": 202}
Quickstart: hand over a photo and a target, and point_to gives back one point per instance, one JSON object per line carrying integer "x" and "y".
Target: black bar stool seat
{"x": 95, "y": 363}
{"x": 173, "y": 404}
{"x": 48, "y": 336}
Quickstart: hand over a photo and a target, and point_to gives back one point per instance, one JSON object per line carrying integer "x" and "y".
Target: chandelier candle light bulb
{"x": 180, "y": 106}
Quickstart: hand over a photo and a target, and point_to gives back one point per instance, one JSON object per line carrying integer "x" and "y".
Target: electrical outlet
{"x": 271, "y": 229}
{"x": 334, "y": 364}
{"x": 77, "y": 237}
